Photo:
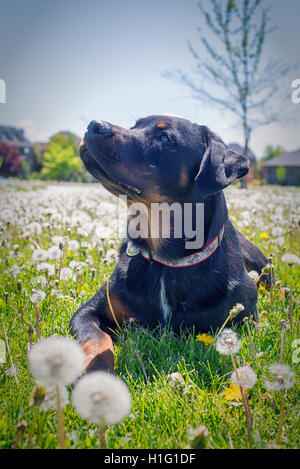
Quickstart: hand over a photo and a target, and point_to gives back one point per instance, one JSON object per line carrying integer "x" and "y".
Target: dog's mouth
{"x": 112, "y": 184}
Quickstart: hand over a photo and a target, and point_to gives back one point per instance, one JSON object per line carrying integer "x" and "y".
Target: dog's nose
{"x": 100, "y": 128}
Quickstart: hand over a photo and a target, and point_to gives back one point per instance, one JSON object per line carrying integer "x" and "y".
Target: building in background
{"x": 283, "y": 169}
{"x": 16, "y": 152}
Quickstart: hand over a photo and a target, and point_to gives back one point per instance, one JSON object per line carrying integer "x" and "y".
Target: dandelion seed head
{"x": 49, "y": 269}
{"x": 54, "y": 253}
{"x": 290, "y": 259}
{"x": 111, "y": 256}
{"x": 101, "y": 398}
{"x": 228, "y": 343}
{"x": 236, "y": 310}
{"x": 66, "y": 273}
{"x": 245, "y": 377}
{"x": 56, "y": 360}
{"x": 283, "y": 377}
{"x": 254, "y": 275}
{"x": 37, "y": 296}
{"x": 73, "y": 245}
{"x": 39, "y": 255}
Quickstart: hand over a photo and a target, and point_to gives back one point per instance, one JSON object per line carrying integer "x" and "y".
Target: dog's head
{"x": 161, "y": 158}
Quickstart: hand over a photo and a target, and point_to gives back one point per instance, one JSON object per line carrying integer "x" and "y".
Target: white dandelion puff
{"x": 111, "y": 256}
{"x": 57, "y": 240}
{"x": 56, "y": 360}
{"x": 283, "y": 377}
{"x": 15, "y": 270}
{"x": 40, "y": 280}
{"x": 290, "y": 259}
{"x": 39, "y": 255}
{"x": 73, "y": 245}
{"x": 101, "y": 398}
{"x": 49, "y": 269}
{"x": 228, "y": 343}
{"x": 37, "y": 296}
{"x": 54, "y": 253}
{"x": 66, "y": 273}
{"x": 244, "y": 376}
{"x": 254, "y": 275}
{"x": 236, "y": 310}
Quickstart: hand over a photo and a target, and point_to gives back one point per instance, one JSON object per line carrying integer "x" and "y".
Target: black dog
{"x": 159, "y": 280}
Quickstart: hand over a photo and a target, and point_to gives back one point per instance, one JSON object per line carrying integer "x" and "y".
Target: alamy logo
{"x": 162, "y": 220}
{"x": 296, "y": 93}
{"x": 2, "y": 92}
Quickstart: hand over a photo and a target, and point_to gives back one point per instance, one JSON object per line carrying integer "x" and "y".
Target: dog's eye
{"x": 164, "y": 138}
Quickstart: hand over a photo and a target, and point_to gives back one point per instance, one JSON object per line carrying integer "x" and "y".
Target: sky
{"x": 66, "y": 62}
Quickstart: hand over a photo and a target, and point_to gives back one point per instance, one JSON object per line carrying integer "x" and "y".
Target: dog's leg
{"x": 254, "y": 259}
{"x": 89, "y": 325}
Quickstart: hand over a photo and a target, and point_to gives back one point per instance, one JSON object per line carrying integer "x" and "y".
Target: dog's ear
{"x": 219, "y": 167}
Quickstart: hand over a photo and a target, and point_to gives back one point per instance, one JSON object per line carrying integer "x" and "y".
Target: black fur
{"x": 192, "y": 165}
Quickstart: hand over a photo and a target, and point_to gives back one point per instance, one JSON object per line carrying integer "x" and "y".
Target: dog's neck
{"x": 215, "y": 216}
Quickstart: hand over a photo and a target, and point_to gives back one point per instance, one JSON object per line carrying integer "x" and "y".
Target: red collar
{"x": 187, "y": 261}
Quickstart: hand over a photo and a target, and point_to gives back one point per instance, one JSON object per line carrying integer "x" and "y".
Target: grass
{"x": 162, "y": 413}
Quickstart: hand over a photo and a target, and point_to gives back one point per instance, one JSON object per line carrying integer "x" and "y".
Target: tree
{"x": 61, "y": 161}
{"x": 234, "y": 78}
{"x": 269, "y": 153}
{"x": 11, "y": 163}
{"x": 280, "y": 173}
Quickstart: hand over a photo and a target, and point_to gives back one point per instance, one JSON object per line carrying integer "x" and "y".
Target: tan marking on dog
{"x": 161, "y": 125}
{"x": 183, "y": 178}
{"x": 121, "y": 311}
{"x": 93, "y": 348}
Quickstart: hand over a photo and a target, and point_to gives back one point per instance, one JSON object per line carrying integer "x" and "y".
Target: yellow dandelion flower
{"x": 233, "y": 393}
{"x": 206, "y": 339}
{"x": 264, "y": 235}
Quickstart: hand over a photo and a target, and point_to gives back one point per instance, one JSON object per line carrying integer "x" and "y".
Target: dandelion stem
{"x": 61, "y": 257}
{"x": 14, "y": 308}
{"x": 226, "y": 321}
{"x": 250, "y": 339}
{"x": 9, "y": 353}
{"x": 21, "y": 428}
{"x": 281, "y": 344}
{"x": 271, "y": 279}
{"x": 60, "y": 418}
{"x": 37, "y": 316}
{"x": 281, "y": 419}
{"x": 31, "y": 430}
{"x": 41, "y": 426}
{"x": 102, "y": 443}
{"x": 291, "y": 307}
{"x": 245, "y": 401}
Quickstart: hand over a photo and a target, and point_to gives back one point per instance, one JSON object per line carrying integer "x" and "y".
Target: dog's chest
{"x": 164, "y": 304}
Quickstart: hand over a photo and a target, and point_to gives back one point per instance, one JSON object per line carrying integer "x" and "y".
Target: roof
{"x": 239, "y": 149}
{"x": 291, "y": 159}
{"x": 13, "y": 136}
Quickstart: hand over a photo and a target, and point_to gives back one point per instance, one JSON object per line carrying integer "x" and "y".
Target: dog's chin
{"x": 111, "y": 184}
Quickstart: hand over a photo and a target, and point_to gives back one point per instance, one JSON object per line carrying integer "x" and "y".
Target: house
{"x": 252, "y": 158}
{"x": 14, "y": 137}
{"x": 16, "y": 156}
{"x": 283, "y": 169}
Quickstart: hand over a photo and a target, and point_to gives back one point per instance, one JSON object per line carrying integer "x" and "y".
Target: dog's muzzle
{"x": 98, "y": 129}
